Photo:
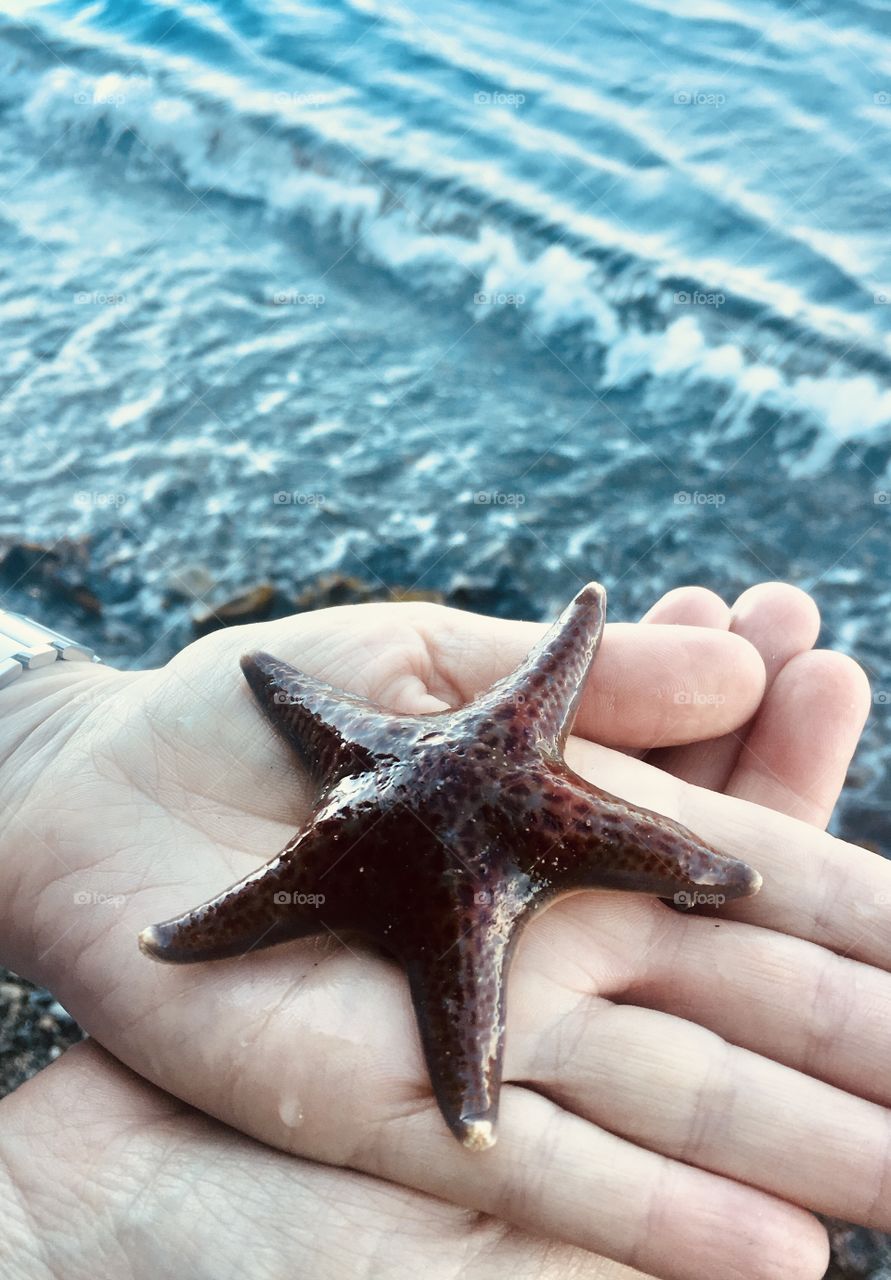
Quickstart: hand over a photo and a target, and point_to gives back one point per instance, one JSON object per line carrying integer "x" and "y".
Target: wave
{"x": 622, "y": 301}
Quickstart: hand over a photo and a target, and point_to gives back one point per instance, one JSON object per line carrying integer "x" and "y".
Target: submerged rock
{"x": 52, "y": 572}
{"x": 257, "y": 604}
{"x": 343, "y": 588}
{"x": 263, "y": 601}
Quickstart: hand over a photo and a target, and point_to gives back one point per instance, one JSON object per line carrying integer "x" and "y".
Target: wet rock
{"x": 34, "y": 1029}
{"x": 257, "y": 604}
{"x": 415, "y": 593}
{"x": 263, "y": 601}
{"x": 858, "y": 1253}
{"x": 332, "y": 589}
{"x": 54, "y": 573}
{"x": 341, "y": 588}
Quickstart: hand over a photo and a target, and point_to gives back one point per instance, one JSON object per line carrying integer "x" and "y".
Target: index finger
{"x": 648, "y": 686}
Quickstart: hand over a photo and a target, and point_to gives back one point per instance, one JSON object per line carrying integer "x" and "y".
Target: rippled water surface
{"x": 485, "y": 297}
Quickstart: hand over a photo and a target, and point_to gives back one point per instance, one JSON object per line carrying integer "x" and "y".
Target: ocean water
{"x": 483, "y": 298}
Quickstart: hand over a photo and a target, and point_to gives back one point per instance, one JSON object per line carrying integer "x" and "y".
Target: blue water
{"x": 485, "y": 298}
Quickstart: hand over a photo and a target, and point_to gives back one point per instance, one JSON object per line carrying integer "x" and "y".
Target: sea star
{"x": 438, "y": 837}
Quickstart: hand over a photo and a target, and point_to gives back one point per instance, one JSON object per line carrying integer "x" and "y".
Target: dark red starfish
{"x": 438, "y": 837}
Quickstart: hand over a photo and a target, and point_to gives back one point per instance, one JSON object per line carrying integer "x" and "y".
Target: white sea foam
{"x": 550, "y": 290}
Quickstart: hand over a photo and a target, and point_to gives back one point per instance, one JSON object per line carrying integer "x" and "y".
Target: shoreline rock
{"x": 264, "y": 600}
{"x": 34, "y": 1030}
{"x": 54, "y": 570}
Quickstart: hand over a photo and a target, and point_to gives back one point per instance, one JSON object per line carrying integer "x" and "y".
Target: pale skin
{"x": 681, "y": 1091}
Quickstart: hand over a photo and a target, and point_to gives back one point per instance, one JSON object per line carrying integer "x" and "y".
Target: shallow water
{"x": 479, "y": 297}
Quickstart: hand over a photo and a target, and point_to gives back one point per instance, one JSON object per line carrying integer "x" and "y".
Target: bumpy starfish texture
{"x": 439, "y": 837}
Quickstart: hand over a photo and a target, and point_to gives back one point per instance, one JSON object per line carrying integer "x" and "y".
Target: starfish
{"x": 438, "y": 837}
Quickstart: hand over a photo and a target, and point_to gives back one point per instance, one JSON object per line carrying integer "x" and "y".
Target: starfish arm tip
{"x": 477, "y": 1134}
{"x": 163, "y": 942}
{"x": 255, "y": 660}
{"x": 739, "y": 880}
{"x": 591, "y": 592}
{"x": 152, "y": 942}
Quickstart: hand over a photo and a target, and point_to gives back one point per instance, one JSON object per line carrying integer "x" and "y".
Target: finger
{"x": 644, "y": 684}
{"x": 779, "y": 621}
{"x": 682, "y": 1091}
{"x": 691, "y": 607}
{"x": 815, "y": 886}
{"x": 205, "y": 1193}
{"x": 796, "y": 755}
{"x": 663, "y": 1216}
{"x": 821, "y": 1013}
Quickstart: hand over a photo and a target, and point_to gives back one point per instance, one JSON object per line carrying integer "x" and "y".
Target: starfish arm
{"x": 273, "y": 904}
{"x": 458, "y": 999}
{"x": 585, "y": 838}
{"x": 332, "y": 732}
{"x": 542, "y": 696}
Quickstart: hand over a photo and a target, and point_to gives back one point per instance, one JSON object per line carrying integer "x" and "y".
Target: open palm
{"x": 160, "y": 1178}
{"x": 676, "y": 1086}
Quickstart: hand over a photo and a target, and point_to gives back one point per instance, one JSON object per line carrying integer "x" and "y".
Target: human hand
{"x": 619, "y": 1134}
{"x": 157, "y": 1180}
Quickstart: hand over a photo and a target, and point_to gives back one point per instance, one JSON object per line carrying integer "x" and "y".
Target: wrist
{"x": 26, "y": 644}
{"x": 35, "y": 667}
